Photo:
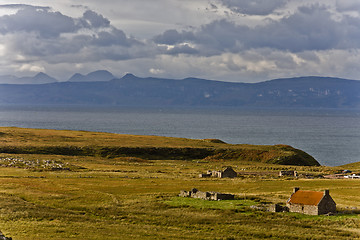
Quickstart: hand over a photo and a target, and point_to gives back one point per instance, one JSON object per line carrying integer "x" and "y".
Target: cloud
{"x": 91, "y": 19}
{"x": 22, "y": 6}
{"x": 348, "y": 5}
{"x": 180, "y": 49}
{"x": 40, "y": 20}
{"x": 41, "y": 34}
{"x": 172, "y": 37}
{"x": 31, "y": 68}
{"x": 112, "y": 37}
{"x": 254, "y": 42}
{"x": 156, "y": 71}
{"x": 308, "y": 28}
{"x": 254, "y": 7}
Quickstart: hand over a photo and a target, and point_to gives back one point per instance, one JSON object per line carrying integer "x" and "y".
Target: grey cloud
{"x": 22, "y": 6}
{"x": 254, "y": 7}
{"x": 42, "y": 21}
{"x": 31, "y": 46}
{"x": 172, "y": 37}
{"x": 79, "y": 48}
{"x": 182, "y": 49}
{"x": 222, "y": 35}
{"x": 211, "y": 39}
{"x": 40, "y": 33}
{"x": 114, "y": 37}
{"x": 309, "y": 28}
{"x": 309, "y": 56}
{"x": 348, "y": 5}
{"x": 91, "y": 19}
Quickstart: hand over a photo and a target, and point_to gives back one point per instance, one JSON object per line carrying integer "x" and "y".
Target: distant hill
{"x": 97, "y": 76}
{"x": 44, "y": 141}
{"x": 39, "y": 78}
{"x": 307, "y": 92}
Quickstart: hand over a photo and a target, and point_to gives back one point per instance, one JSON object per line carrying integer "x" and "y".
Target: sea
{"x": 331, "y": 136}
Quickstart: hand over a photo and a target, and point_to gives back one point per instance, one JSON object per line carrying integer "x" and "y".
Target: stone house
{"x": 311, "y": 202}
{"x": 228, "y": 172}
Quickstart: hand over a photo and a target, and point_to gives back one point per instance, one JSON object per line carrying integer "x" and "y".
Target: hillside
{"x": 303, "y": 92}
{"x": 76, "y": 184}
{"x": 81, "y": 143}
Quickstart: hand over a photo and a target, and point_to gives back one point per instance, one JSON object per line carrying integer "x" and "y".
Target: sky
{"x": 227, "y": 40}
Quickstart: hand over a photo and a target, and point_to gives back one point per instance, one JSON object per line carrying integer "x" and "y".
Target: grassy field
{"x": 48, "y": 196}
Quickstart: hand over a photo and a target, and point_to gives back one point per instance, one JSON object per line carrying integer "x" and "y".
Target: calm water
{"x": 331, "y": 136}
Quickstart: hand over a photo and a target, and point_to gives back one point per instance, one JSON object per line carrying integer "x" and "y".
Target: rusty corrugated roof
{"x": 306, "y": 197}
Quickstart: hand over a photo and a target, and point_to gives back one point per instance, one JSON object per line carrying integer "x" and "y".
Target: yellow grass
{"x": 135, "y": 198}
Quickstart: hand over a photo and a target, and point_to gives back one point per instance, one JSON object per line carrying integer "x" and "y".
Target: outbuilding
{"x": 311, "y": 202}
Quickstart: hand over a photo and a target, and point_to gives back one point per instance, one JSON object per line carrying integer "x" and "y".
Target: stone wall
{"x": 278, "y": 208}
{"x": 304, "y": 209}
{"x": 2, "y": 237}
{"x": 288, "y": 173}
{"x": 327, "y": 205}
{"x": 194, "y": 193}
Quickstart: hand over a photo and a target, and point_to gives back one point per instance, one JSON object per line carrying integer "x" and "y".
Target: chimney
{"x": 296, "y": 189}
{"x": 326, "y": 192}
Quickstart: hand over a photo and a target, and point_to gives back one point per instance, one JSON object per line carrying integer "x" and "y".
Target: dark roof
{"x": 229, "y": 169}
{"x": 306, "y": 197}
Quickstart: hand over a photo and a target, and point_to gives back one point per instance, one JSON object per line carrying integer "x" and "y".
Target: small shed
{"x": 311, "y": 202}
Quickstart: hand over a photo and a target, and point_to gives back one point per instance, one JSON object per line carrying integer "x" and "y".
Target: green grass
{"x": 201, "y": 204}
{"x": 127, "y": 197}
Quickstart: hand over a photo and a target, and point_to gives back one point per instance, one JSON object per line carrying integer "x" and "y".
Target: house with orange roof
{"x": 311, "y": 202}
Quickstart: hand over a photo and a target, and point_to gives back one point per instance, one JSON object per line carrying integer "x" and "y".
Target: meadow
{"x": 63, "y": 196}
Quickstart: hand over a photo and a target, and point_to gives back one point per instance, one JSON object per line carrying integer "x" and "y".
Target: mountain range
{"x": 39, "y": 78}
{"x": 102, "y": 88}
{"x": 100, "y": 75}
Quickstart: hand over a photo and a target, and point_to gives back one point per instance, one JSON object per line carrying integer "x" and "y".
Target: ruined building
{"x": 226, "y": 173}
{"x": 288, "y": 173}
{"x": 194, "y": 193}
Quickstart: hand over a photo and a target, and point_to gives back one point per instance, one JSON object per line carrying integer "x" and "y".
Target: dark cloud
{"x": 114, "y": 37}
{"x": 222, "y": 35}
{"x": 172, "y": 37}
{"x": 40, "y": 20}
{"x": 254, "y": 7}
{"x": 91, "y": 19}
{"x": 47, "y": 23}
{"x": 309, "y": 28}
{"x": 42, "y": 33}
